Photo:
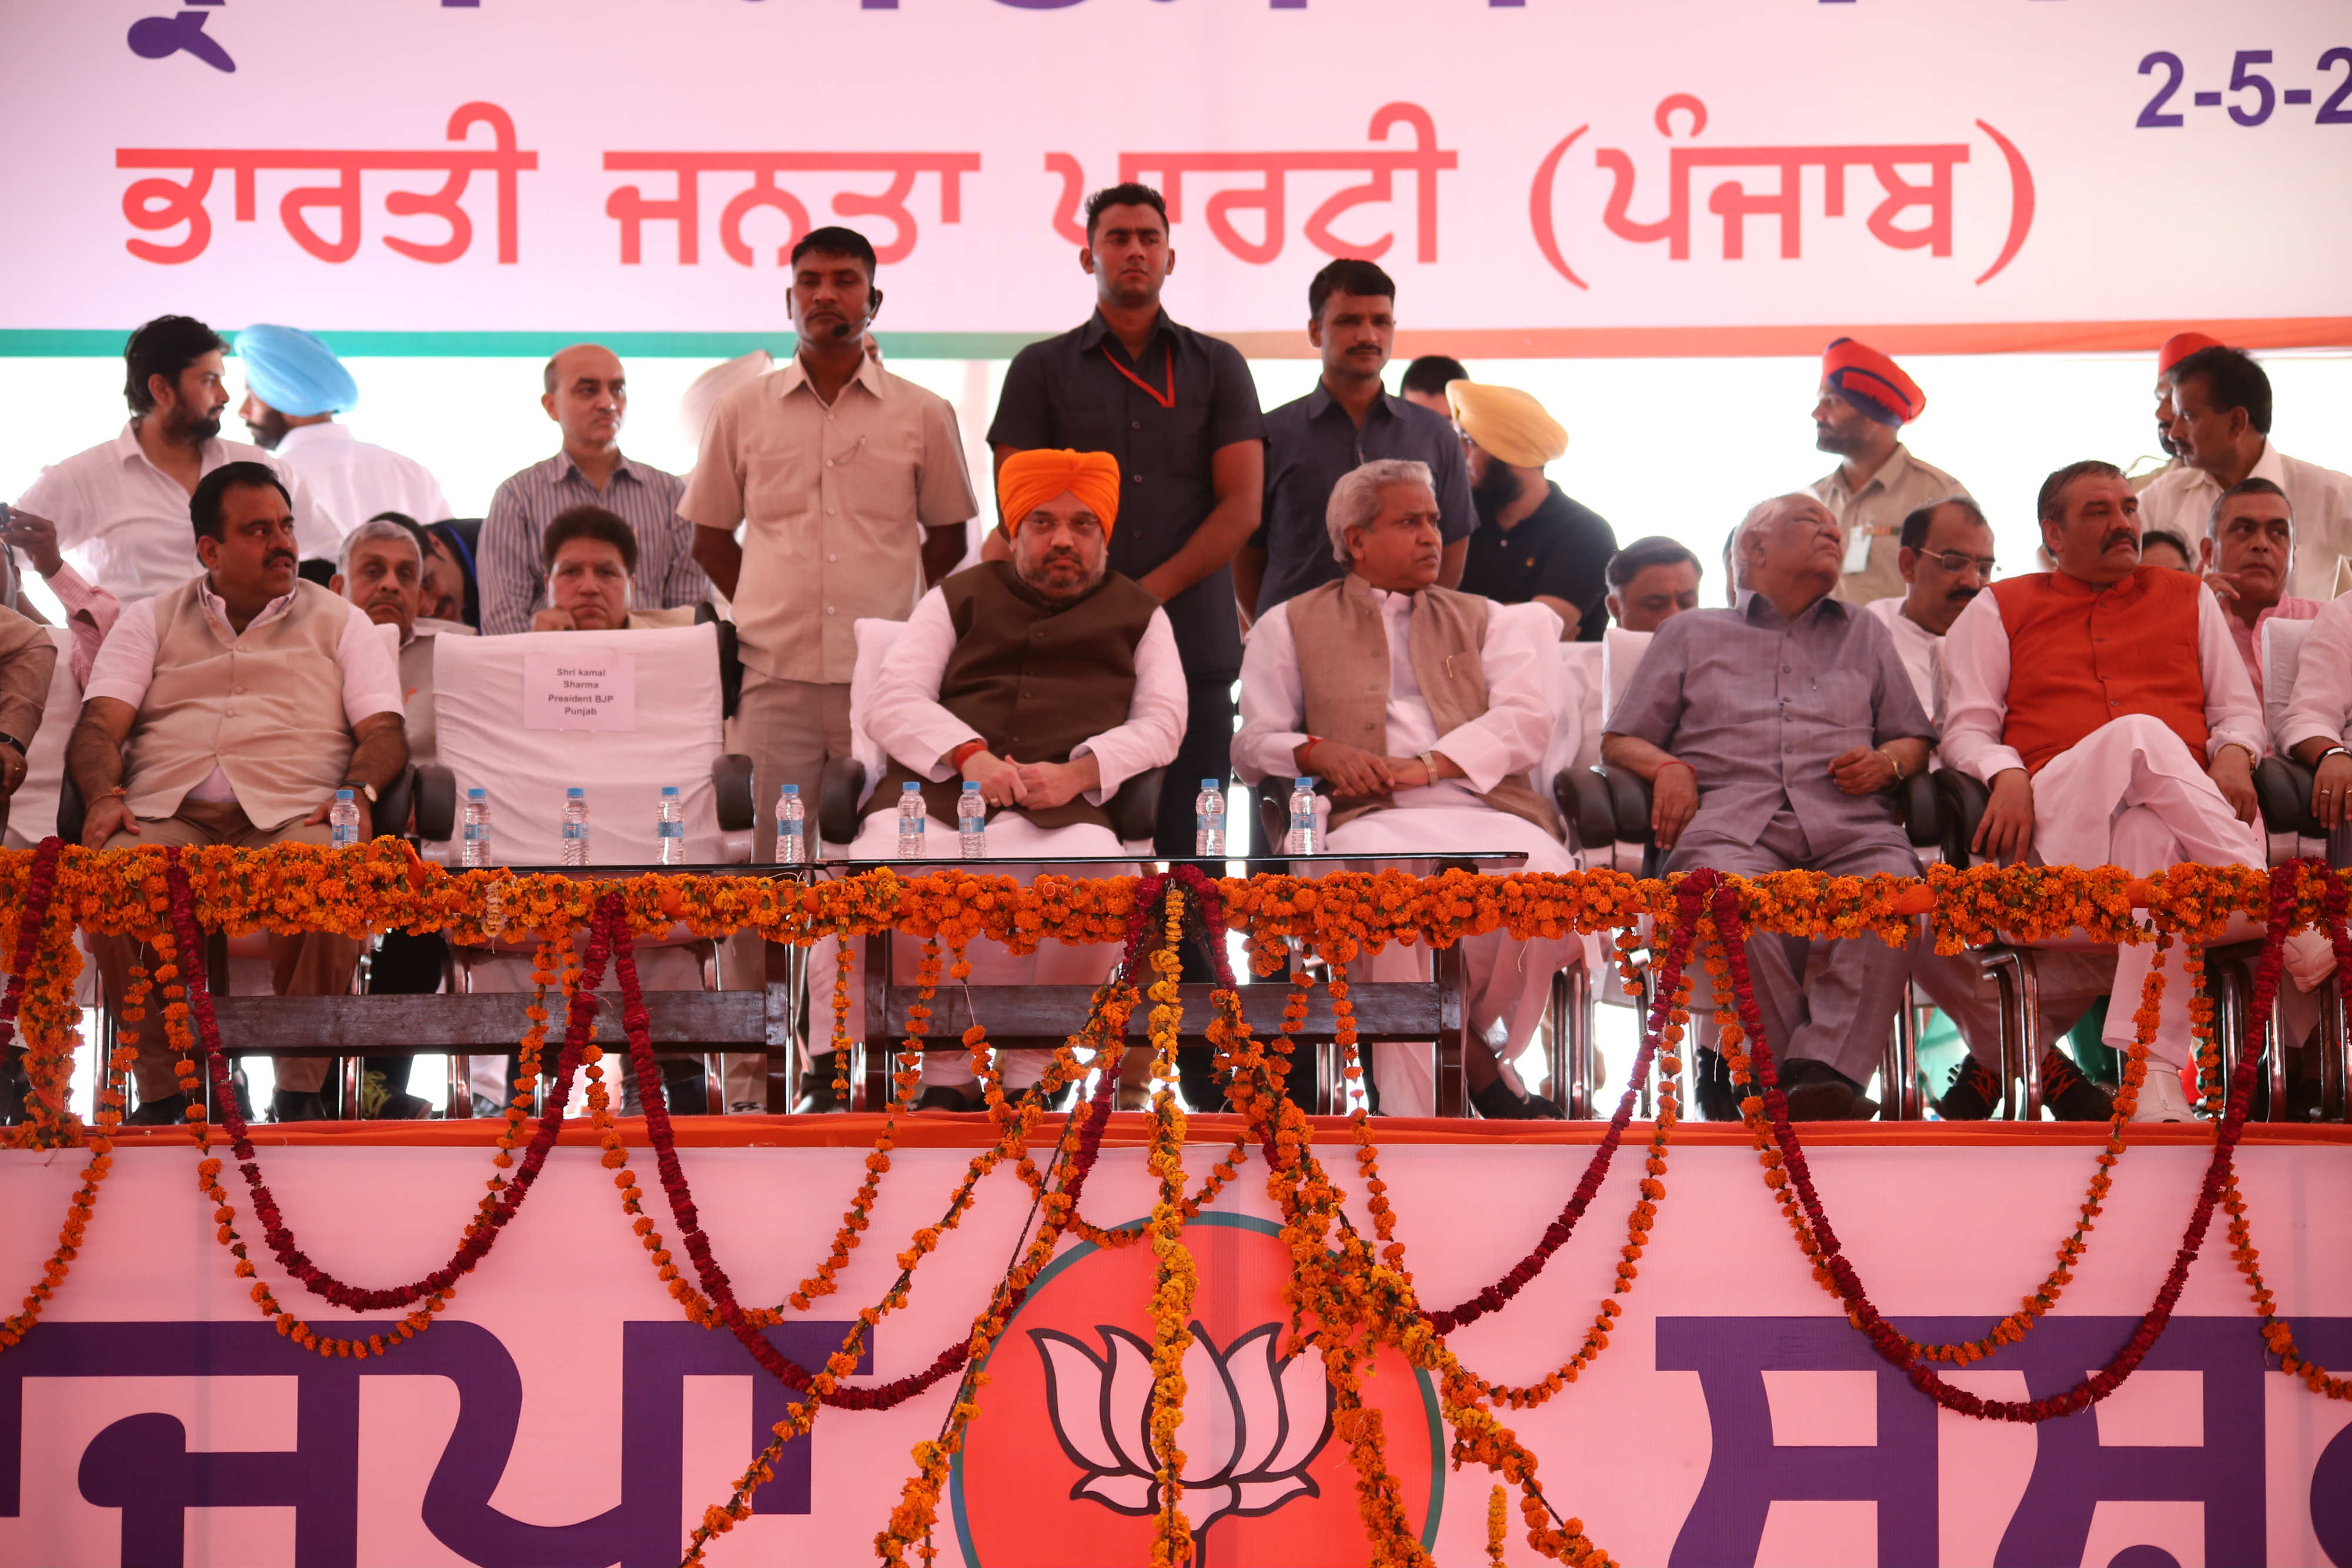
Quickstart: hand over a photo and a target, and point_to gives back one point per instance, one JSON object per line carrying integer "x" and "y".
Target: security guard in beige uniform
{"x": 1865, "y": 401}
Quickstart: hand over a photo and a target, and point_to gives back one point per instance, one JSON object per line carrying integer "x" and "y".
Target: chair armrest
{"x": 1274, "y": 812}
{"x": 2284, "y": 786}
{"x": 730, "y": 778}
{"x": 837, "y": 789}
{"x": 1923, "y": 813}
{"x": 730, "y": 658}
{"x": 1628, "y": 802}
{"x": 394, "y": 803}
{"x": 73, "y": 810}
{"x": 1963, "y": 799}
{"x": 1134, "y": 806}
{"x": 1583, "y": 801}
{"x": 437, "y": 803}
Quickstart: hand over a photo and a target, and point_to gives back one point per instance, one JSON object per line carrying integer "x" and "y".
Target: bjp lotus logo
{"x": 1057, "y": 1471}
{"x": 1253, "y": 1421}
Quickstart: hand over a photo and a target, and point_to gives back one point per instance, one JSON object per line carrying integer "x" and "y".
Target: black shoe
{"x": 2070, "y": 1096}
{"x": 171, "y": 1111}
{"x": 1816, "y": 1091}
{"x": 13, "y": 1090}
{"x": 947, "y": 1097}
{"x": 379, "y": 1102}
{"x": 2303, "y": 1100}
{"x": 295, "y": 1105}
{"x": 1498, "y": 1103}
{"x": 817, "y": 1095}
{"x": 1971, "y": 1093}
{"x": 1718, "y": 1097}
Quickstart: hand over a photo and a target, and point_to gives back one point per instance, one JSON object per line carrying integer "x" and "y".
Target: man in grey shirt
{"x": 1772, "y": 733}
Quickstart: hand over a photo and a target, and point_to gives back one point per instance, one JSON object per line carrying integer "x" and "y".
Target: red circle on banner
{"x": 1055, "y": 1472}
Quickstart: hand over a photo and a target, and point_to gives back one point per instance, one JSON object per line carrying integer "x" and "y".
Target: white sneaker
{"x": 2161, "y": 1096}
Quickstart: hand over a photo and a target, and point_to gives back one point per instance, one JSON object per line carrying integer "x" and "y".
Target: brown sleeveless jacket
{"x": 1033, "y": 680}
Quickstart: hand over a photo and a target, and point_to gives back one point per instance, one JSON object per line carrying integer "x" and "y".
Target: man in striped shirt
{"x": 587, "y": 394}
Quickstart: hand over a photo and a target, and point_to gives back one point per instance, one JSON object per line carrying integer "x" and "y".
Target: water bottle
{"x": 575, "y": 826}
{"x": 669, "y": 826}
{"x": 791, "y": 827}
{"x": 971, "y": 822}
{"x": 1209, "y": 819}
{"x": 343, "y": 818}
{"x": 1300, "y": 840}
{"x": 911, "y": 812}
{"x": 476, "y": 849}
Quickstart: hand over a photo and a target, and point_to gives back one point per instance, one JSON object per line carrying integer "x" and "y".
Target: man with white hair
{"x": 1773, "y": 734}
{"x": 1436, "y": 755}
{"x": 1046, "y": 681}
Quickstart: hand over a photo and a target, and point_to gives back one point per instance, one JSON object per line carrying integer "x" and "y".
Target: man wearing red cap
{"x": 1866, "y": 400}
{"x": 2221, "y": 426}
{"x": 1048, "y": 680}
{"x": 2177, "y": 347}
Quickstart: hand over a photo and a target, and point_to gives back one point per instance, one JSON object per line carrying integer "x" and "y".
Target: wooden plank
{"x": 1046, "y": 1014}
{"x": 479, "y": 1024}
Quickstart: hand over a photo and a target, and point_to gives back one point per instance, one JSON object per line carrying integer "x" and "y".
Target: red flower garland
{"x": 484, "y": 1231}
{"x": 1688, "y": 896}
{"x": 1889, "y": 1342}
{"x": 40, "y": 887}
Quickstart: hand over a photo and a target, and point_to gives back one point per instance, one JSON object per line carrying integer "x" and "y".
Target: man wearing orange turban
{"x": 1047, "y": 681}
{"x": 1865, "y": 401}
{"x": 1027, "y": 480}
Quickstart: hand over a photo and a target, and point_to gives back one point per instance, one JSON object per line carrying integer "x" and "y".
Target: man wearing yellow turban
{"x": 1047, "y": 681}
{"x": 1533, "y": 542}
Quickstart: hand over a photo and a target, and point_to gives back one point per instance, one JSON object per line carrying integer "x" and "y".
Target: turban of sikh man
{"x": 1030, "y": 479}
{"x": 1508, "y": 423}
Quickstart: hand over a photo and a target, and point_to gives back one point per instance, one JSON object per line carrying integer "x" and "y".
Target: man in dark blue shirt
{"x": 1345, "y": 423}
{"x": 1180, "y": 412}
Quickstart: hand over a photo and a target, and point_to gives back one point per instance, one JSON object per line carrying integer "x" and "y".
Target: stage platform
{"x": 563, "y": 1411}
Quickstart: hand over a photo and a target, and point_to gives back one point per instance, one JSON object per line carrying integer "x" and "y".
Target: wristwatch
{"x": 7, "y": 740}
{"x": 1429, "y": 765}
{"x": 366, "y": 789}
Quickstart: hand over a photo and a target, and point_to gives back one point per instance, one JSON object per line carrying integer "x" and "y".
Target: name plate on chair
{"x": 594, "y": 689}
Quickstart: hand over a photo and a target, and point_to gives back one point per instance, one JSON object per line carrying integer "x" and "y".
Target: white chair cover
{"x": 477, "y": 705}
{"x": 1620, "y": 655}
{"x": 1576, "y": 743}
{"x": 875, "y": 637}
{"x": 33, "y": 809}
{"x": 2281, "y": 657}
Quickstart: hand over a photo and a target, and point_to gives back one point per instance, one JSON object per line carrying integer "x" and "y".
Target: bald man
{"x": 587, "y": 395}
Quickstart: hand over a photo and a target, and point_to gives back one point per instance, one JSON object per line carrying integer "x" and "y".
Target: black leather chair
{"x": 1133, "y": 807}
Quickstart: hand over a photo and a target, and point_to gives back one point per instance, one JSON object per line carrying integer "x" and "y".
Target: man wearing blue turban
{"x": 294, "y": 387}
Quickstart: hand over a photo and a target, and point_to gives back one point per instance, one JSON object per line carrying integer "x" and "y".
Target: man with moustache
{"x": 229, "y": 710}
{"x": 587, "y": 396}
{"x": 1049, "y": 680}
{"x": 1774, "y": 733}
{"x": 2222, "y": 423}
{"x": 1179, "y": 412}
{"x": 123, "y": 506}
{"x": 1865, "y": 401}
{"x": 294, "y": 387}
{"x": 2175, "y": 349}
{"x": 1346, "y": 422}
{"x": 2248, "y": 554}
{"x": 1651, "y": 581}
{"x": 1947, "y": 559}
{"x": 1533, "y": 542}
{"x": 2107, "y": 709}
{"x": 850, "y": 486}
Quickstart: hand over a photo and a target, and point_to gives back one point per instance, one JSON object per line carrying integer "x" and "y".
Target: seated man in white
{"x": 1773, "y": 735}
{"x": 229, "y": 710}
{"x": 1049, "y": 680}
{"x": 380, "y": 569}
{"x": 591, "y": 567}
{"x": 1425, "y": 714}
{"x": 2108, "y": 710}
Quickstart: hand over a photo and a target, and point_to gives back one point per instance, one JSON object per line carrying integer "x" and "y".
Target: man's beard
{"x": 267, "y": 432}
{"x": 1837, "y": 444}
{"x": 1496, "y": 490}
{"x": 195, "y": 432}
{"x": 1072, "y": 585}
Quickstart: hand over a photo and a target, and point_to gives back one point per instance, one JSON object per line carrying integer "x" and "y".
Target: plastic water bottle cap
{"x": 342, "y": 794}
{"x": 1302, "y": 783}
{"x": 668, "y": 791}
{"x": 912, "y": 788}
{"x": 791, "y": 789}
{"x": 972, "y": 786}
{"x": 1216, "y": 784}
{"x": 575, "y": 793}
{"x": 478, "y": 793}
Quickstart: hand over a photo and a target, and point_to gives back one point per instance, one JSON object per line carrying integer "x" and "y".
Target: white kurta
{"x": 904, "y": 714}
{"x": 1922, "y": 650}
{"x": 357, "y": 479}
{"x": 2128, "y": 794}
{"x": 1507, "y": 984}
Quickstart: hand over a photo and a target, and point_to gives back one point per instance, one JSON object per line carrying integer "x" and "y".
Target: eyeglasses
{"x": 1957, "y": 562}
